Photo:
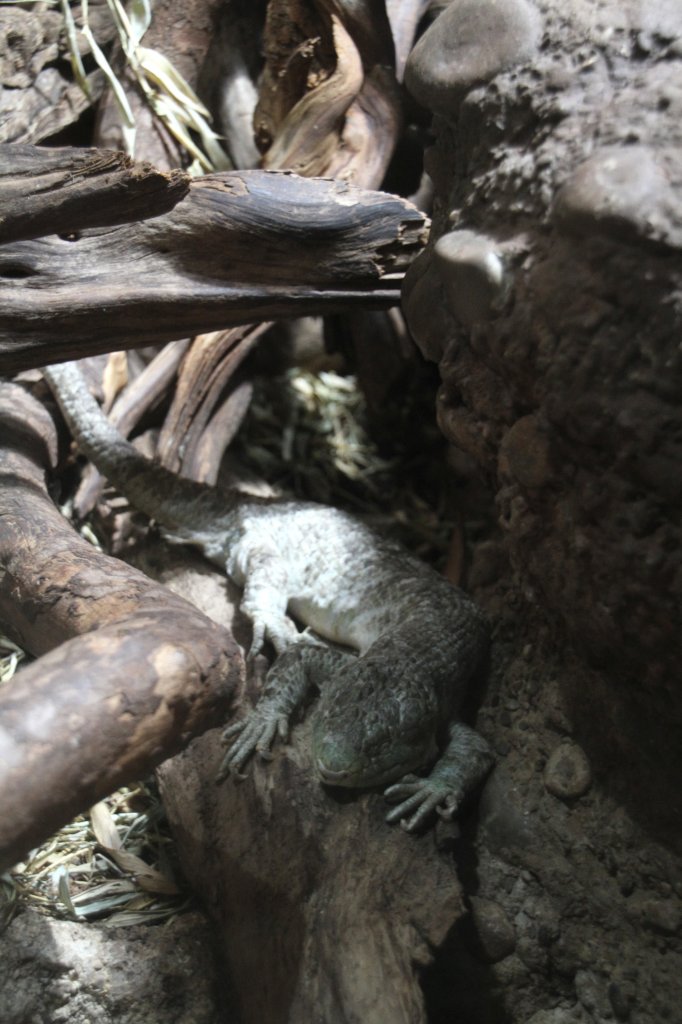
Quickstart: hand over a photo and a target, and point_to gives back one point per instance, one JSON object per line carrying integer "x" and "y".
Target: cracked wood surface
{"x": 240, "y": 247}
{"x": 62, "y": 191}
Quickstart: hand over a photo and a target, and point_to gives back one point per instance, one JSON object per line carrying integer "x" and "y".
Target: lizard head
{"x": 370, "y": 728}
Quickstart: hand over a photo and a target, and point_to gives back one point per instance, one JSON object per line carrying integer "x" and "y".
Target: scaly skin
{"x": 383, "y": 713}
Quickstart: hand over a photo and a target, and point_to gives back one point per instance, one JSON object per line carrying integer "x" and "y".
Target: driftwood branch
{"x": 38, "y": 94}
{"x": 183, "y": 34}
{"x": 63, "y": 191}
{"x": 207, "y": 370}
{"x": 141, "y": 672}
{"x": 241, "y": 247}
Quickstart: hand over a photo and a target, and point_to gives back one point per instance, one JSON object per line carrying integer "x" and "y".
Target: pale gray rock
{"x": 467, "y": 45}
{"x": 659, "y": 915}
{"x": 560, "y": 1015}
{"x": 63, "y": 971}
{"x": 473, "y": 275}
{"x": 494, "y": 932}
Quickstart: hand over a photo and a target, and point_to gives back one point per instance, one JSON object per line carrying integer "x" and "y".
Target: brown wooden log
{"x": 329, "y": 105}
{"x": 142, "y": 672}
{"x": 203, "y": 462}
{"x": 62, "y": 191}
{"x": 312, "y": 890}
{"x": 38, "y": 94}
{"x": 241, "y": 247}
{"x": 182, "y": 33}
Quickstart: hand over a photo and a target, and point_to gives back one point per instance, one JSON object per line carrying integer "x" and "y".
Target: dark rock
{"x": 624, "y": 193}
{"x": 525, "y": 454}
{"x": 494, "y": 935}
{"x": 488, "y": 562}
{"x": 660, "y": 915}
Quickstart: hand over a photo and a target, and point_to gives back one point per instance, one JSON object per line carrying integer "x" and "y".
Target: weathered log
{"x": 228, "y": 78}
{"x": 329, "y": 105}
{"x": 63, "y": 191}
{"x": 241, "y": 247}
{"x": 312, "y": 891}
{"x": 203, "y": 461}
{"x": 104, "y": 708}
{"x": 404, "y": 16}
{"x": 182, "y": 33}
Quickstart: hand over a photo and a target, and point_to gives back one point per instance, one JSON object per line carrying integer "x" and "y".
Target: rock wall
{"x": 551, "y": 298}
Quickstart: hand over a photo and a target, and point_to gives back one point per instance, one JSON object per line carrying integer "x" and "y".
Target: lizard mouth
{"x": 328, "y": 775}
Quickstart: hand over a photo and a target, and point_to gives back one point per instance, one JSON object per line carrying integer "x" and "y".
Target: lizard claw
{"x": 252, "y": 735}
{"x": 417, "y": 799}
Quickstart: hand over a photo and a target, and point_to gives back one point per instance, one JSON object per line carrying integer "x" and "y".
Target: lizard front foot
{"x": 423, "y": 797}
{"x": 254, "y": 734}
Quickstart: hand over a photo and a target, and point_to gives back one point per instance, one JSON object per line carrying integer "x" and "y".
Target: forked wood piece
{"x": 241, "y": 247}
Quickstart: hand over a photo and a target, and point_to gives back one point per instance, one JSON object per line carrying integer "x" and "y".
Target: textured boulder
{"x": 556, "y": 267}
{"x": 550, "y": 297}
{"x": 628, "y": 193}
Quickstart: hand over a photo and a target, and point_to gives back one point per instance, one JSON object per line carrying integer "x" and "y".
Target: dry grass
{"x": 112, "y": 864}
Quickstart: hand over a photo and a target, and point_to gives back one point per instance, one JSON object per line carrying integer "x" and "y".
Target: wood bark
{"x": 240, "y": 247}
{"x": 312, "y": 890}
{"x": 63, "y": 191}
{"x": 182, "y": 33}
{"x": 329, "y": 101}
{"x": 38, "y": 96}
{"x": 207, "y": 371}
{"x": 141, "y": 671}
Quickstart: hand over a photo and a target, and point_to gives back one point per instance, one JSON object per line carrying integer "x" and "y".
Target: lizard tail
{"x": 151, "y": 488}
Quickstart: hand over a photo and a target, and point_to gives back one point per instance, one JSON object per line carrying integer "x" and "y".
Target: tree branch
{"x": 62, "y": 191}
{"x": 141, "y": 673}
{"x": 241, "y": 247}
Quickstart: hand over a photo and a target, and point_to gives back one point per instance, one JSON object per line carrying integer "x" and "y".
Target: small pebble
{"x": 567, "y": 772}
